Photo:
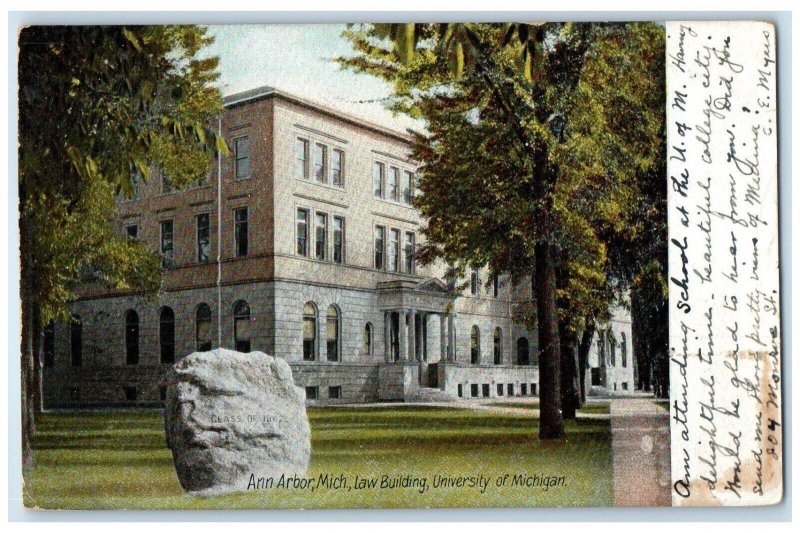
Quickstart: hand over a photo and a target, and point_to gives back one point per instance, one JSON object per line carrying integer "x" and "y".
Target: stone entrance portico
{"x": 416, "y": 341}
{"x": 420, "y": 359}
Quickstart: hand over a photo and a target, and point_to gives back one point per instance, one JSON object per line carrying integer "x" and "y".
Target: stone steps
{"x": 427, "y": 394}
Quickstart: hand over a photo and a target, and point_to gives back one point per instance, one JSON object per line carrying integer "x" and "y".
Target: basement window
{"x": 130, "y": 394}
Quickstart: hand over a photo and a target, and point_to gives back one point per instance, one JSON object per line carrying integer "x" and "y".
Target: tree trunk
{"x": 36, "y": 371}
{"x": 569, "y": 393}
{"x": 27, "y": 379}
{"x": 583, "y": 354}
{"x": 551, "y": 424}
{"x": 27, "y": 344}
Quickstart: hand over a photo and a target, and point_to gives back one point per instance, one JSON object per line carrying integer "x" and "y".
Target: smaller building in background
{"x": 611, "y": 364}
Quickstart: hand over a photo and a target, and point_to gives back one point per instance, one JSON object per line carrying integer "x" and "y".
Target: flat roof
{"x": 266, "y": 91}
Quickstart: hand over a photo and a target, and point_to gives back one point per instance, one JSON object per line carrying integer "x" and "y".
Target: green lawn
{"x": 119, "y": 461}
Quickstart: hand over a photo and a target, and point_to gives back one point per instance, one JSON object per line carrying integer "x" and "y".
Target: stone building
{"x": 316, "y": 238}
{"x": 611, "y": 362}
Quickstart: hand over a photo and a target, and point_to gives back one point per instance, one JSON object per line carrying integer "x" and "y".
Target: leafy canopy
{"x": 550, "y": 151}
{"x": 98, "y": 105}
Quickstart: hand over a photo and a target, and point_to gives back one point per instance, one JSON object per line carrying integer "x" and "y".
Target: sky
{"x": 298, "y": 59}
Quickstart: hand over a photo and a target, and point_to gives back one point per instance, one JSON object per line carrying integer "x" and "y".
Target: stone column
{"x": 402, "y": 335}
{"x": 451, "y": 337}
{"x": 423, "y": 319}
{"x": 442, "y": 339}
{"x": 412, "y": 335}
{"x": 387, "y": 336}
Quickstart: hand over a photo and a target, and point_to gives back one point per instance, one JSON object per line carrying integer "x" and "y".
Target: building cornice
{"x": 266, "y": 92}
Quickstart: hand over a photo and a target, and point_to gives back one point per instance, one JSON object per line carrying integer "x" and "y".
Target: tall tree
{"x": 97, "y": 106}
{"x": 521, "y": 120}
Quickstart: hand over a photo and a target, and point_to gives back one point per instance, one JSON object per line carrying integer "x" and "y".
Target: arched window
{"x": 612, "y": 348}
{"x": 475, "y": 346}
{"x": 166, "y": 335}
{"x": 76, "y": 340}
{"x": 601, "y": 348}
{"x": 241, "y": 326}
{"x": 368, "y": 339}
{"x": 309, "y": 332}
{"x": 49, "y": 347}
{"x": 523, "y": 355}
{"x": 202, "y": 333}
{"x": 624, "y": 350}
{"x": 131, "y": 337}
{"x": 332, "y": 333}
{"x": 498, "y": 346}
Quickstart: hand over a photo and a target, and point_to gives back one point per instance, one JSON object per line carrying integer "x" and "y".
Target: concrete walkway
{"x": 640, "y": 443}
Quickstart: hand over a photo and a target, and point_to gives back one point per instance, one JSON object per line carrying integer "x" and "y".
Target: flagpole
{"x": 219, "y": 237}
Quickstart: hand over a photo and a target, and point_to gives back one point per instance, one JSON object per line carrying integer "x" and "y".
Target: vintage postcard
{"x": 399, "y": 265}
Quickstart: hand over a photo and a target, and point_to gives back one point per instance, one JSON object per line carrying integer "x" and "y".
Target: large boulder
{"x": 232, "y": 418}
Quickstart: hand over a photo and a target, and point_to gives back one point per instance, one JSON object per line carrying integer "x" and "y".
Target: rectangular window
{"x": 301, "y": 159}
{"x": 321, "y": 163}
{"x": 302, "y": 232}
{"x": 473, "y": 390}
{"x": 496, "y": 285}
{"x": 394, "y": 250}
{"x": 337, "y": 168}
{"x": 499, "y": 389}
{"x": 408, "y": 187}
{"x": 335, "y": 393}
{"x": 136, "y": 185}
{"x": 408, "y": 253}
{"x": 338, "y": 239}
{"x": 321, "y": 236}
{"x": 240, "y": 231}
{"x": 166, "y": 183}
{"x": 380, "y": 235}
{"x": 49, "y": 345}
{"x": 474, "y": 283}
{"x": 312, "y": 393}
{"x": 523, "y": 389}
{"x": 394, "y": 179}
{"x": 485, "y": 390}
{"x": 241, "y": 148}
{"x": 378, "y": 172}
{"x": 132, "y": 232}
{"x": 167, "y": 244}
{"x": 130, "y": 393}
{"x": 203, "y": 238}
{"x": 510, "y": 389}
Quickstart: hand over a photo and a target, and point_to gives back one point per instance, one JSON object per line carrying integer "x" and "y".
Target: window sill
{"x": 393, "y": 202}
{"x": 324, "y": 185}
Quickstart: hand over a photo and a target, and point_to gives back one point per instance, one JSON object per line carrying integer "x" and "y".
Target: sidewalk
{"x": 640, "y": 443}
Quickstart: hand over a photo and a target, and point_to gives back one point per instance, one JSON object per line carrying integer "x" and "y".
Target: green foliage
{"x": 98, "y": 104}
{"x": 539, "y": 133}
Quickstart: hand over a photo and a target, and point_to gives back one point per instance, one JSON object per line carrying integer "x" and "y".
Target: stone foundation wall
{"x": 498, "y": 380}
{"x": 357, "y": 382}
{"x": 126, "y": 386}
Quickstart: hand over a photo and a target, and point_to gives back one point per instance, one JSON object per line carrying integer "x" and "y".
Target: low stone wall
{"x": 489, "y": 381}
